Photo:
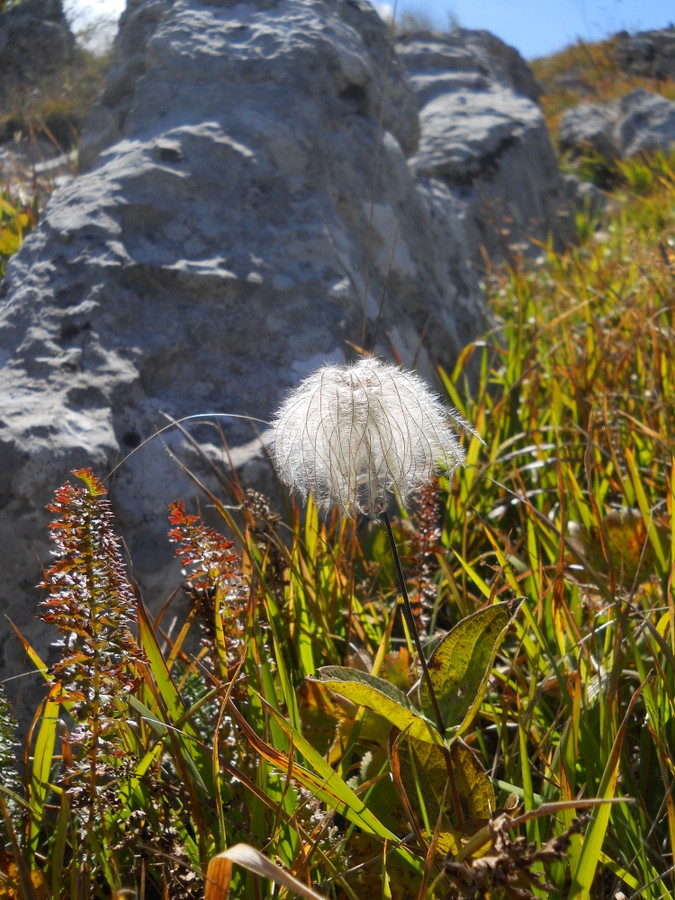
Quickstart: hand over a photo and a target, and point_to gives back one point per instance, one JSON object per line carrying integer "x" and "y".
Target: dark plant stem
{"x": 412, "y": 627}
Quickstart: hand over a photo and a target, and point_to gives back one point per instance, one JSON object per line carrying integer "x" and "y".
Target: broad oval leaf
{"x": 422, "y": 774}
{"x": 382, "y": 697}
{"x": 460, "y": 665}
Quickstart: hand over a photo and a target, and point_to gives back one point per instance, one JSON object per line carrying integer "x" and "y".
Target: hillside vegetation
{"x": 543, "y": 578}
{"x": 588, "y": 73}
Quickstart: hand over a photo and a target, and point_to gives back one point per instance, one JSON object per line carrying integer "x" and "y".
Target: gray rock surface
{"x": 648, "y": 53}
{"x": 503, "y": 62}
{"x": 588, "y": 126}
{"x": 485, "y": 139}
{"x": 639, "y": 122}
{"x": 35, "y": 41}
{"x": 243, "y": 204}
{"x": 645, "y": 122}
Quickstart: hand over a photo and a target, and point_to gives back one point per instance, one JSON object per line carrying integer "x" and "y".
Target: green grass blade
{"x": 43, "y": 758}
{"x": 591, "y": 850}
{"x": 646, "y": 511}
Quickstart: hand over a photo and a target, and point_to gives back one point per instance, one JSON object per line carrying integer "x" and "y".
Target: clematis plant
{"x": 355, "y": 436}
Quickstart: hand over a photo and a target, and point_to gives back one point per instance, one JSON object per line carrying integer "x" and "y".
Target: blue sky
{"x": 540, "y": 27}
{"x": 535, "y": 27}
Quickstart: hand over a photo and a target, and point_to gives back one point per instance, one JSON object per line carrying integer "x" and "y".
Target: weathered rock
{"x": 485, "y": 138}
{"x": 245, "y": 206}
{"x": 588, "y": 126}
{"x": 639, "y": 122}
{"x": 650, "y": 54}
{"x": 503, "y": 62}
{"x": 645, "y": 122}
{"x": 35, "y": 41}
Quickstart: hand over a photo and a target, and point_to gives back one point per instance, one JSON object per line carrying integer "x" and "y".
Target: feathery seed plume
{"x": 355, "y": 435}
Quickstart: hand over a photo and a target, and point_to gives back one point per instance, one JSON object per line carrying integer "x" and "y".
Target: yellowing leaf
{"x": 460, "y": 665}
{"x": 10, "y": 241}
{"x": 424, "y": 776}
{"x": 10, "y": 883}
{"x": 382, "y": 697}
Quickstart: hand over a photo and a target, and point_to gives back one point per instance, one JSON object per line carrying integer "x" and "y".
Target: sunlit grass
{"x": 575, "y": 496}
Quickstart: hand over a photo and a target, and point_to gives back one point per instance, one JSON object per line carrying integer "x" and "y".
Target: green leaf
{"x": 161, "y": 729}
{"x": 423, "y": 775}
{"x": 93, "y": 484}
{"x": 7, "y": 208}
{"x": 187, "y": 740}
{"x": 382, "y": 697}
{"x": 646, "y": 510}
{"x": 43, "y": 758}
{"x": 460, "y": 665}
{"x": 591, "y": 849}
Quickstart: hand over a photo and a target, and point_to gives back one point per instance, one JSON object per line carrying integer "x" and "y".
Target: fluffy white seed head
{"x": 355, "y": 435}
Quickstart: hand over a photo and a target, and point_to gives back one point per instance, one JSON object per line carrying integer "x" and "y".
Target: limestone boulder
{"x": 588, "y": 126}
{"x": 645, "y": 122}
{"x": 246, "y": 212}
{"x": 648, "y": 53}
{"x": 503, "y": 62}
{"x": 483, "y": 135}
{"x": 640, "y": 122}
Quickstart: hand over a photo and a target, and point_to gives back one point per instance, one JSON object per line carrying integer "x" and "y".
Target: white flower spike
{"x": 355, "y": 435}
